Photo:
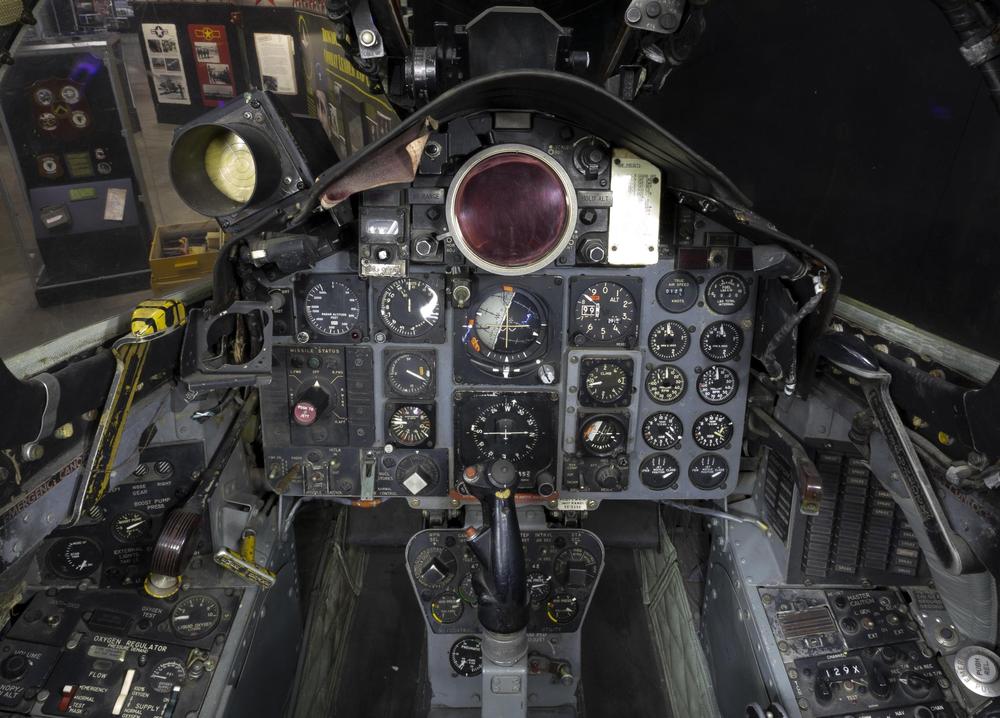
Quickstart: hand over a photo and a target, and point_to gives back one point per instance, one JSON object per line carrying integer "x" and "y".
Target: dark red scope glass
{"x": 511, "y": 209}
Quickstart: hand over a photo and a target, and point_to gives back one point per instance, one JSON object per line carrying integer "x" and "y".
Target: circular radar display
{"x": 662, "y": 431}
{"x": 466, "y": 656}
{"x": 506, "y": 429}
{"x": 606, "y": 383}
{"x": 665, "y": 384}
{"x": 659, "y": 472}
{"x": 74, "y": 558}
{"x": 410, "y": 425}
{"x": 409, "y": 307}
{"x": 195, "y": 617}
{"x": 508, "y": 327}
{"x": 726, "y": 294}
{"x": 677, "y": 292}
{"x": 511, "y": 209}
{"x": 708, "y": 471}
{"x": 332, "y": 308}
{"x": 603, "y": 435}
{"x": 712, "y": 430}
{"x": 721, "y": 341}
{"x": 669, "y": 340}
{"x": 410, "y": 374}
{"x": 605, "y": 312}
{"x": 717, "y": 384}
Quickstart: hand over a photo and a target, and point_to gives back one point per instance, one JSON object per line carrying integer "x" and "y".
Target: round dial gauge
{"x": 466, "y": 656}
{"x": 717, "y": 384}
{"x": 606, "y": 383}
{"x": 130, "y": 526}
{"x": 74, "y": 558}
{"x": 603, "y": 435}
{"x": 418, "y": 473}
{"x": 562, "y": 607}
{"x": 605, "y": 312}
{"x": 659, "y": 472}
{"x": 662, "y": 431}
{"x": 575, "y": 567}
{"x": 726, "y": 294}
{"x": 447, "y": 608}
{"x": 508, "y": 326}
{"x": 409, "y": 307}
{"x": 332, "y": 308}
{"x": 538, "y": 586}
{"x": 665, "y": 384}
{"x": 410, "y": 425}
{"x": 677, "y": 292}
{"x": 669, "y": 340}
{"x": 721, "y": 341}
{"x": 467, "y": 591}
{"x": 409, "y": 374}
{"x": 506, "y": 429}
{"x": 166, "y": 674}
{"x": 434, "y": 567}
{"x": 712, "y": 430}
{"x": 195, "y": 617}
{"x": 708, "y": 471}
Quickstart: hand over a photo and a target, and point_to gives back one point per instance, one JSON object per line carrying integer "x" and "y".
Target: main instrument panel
{"x": 521, "y": 299}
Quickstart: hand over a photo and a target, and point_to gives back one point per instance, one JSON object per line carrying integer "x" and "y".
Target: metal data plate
{"x": 634, "y": 226}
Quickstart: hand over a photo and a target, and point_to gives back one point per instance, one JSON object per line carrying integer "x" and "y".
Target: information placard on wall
{"x": 213, "y": 63}
{"x": 165, "y": 62}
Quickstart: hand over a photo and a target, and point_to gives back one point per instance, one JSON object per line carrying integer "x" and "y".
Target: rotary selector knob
{"x": 310, "y": 405}
{"x": 13, "y": 667}
{"x": 979, "y": 670}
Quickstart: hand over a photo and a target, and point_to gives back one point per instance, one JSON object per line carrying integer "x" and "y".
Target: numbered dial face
{"x": 506, "y": 429}
{"x": 717, "y": 384}
{"x": 507, "y": 326}
{"x": 410, "y": 374}
{"x": 721, "y": 341}
{"x": 708, "y": 471}
{"x": 575, "y": 567}
{"x": 130, "y": 526}
{"x": 332, "y": 308}
{"x": 662, "y": 431}
{"x": 677, "y": 292}
{"x": 712, "y": 430}
{"x": 665, "y": 384}
{"x": 539, "y": 586}
{"x": 659, "y": 472}
{"x": 562, "y": 607}
{"x": 606, "y": 383}
{"x": 74, "y": 558}
{"x": 466, "y": 656}
{"x": 195, "y": 617}
{"x": 447, "y": 608}
{"x": 410, "y": 425}
{"x": 605, "y": 312}
{"x": 410, "y": 307}
{"x": 726, "y": 294}
{"x": 669, "y": 341}
{"x": 603, "y": 435}
{"x": 166, "y": 674}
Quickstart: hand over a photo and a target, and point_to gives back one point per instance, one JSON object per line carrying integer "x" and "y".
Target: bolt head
{"x": 367, "y": 38}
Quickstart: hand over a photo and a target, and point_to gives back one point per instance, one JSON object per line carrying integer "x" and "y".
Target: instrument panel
{"x": 597, "y": 380}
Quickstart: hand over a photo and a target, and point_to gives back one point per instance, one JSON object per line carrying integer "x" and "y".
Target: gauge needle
{"x": 719, "y": 433}
{"x": 135, "y": 525}
{"x": 414, "y": 374}
{"x": 182, "y": 618}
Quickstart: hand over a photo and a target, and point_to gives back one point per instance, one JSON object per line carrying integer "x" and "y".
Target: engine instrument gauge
{"x": 677, "y": 292}
{"x": 195, "y": 617}
{"x": 74, "y": 557}
{"x": 410, "y": 374}
{"x": 669, "y": 340}
{"x": 508, "y": 326}
{"x": 562, "y": 607}
{"x": 507, "y": 429}
{"x": 332, "y": 308}
{"x": 410, "y": 425}
{"x": 606, "y": 312}
{"x": 447, "y": 608}
{"x": 418, "y": 474}
{"x": 603, "y": 435}
{"x": 708, "y": 471}
{"x": 726, "y": 294}
{"x": 662, "y": 430}
{"x": 665, "y": 384}
{"x": 466, "y": 656}
{"x": 166, "y": 674}
{"x": 539, "y": 586}
{"x": 712, "y": 430}
{"x": 717, "y": 384}
{"x": 409, "y": 307}
{"x": 606, "y": 383}
{"x": 721, "y": 341}
{"x": 575, "y": 567}
{"x": 659, "y": 472}
{"x": 130, "y": 526}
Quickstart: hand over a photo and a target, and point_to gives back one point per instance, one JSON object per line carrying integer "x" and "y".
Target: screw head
{"x": 367, "y": 38}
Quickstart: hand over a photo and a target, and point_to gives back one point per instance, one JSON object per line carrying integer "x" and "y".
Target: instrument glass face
{"x": 605, "y": 312}
{"x": 516, "y": 426}
{"x": 332, "y": 308}
{"x": 410, "y": 307}
{"x": 230, "y": 166}
{"x": 507, "y": 326}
